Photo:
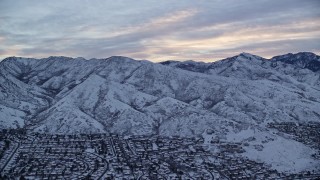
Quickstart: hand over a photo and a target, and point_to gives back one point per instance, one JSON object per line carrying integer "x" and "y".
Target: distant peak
{"x": 9, "y": 58}
{"x": 80, "y": 58}
{"x": 299, "y": 53}
{"x": 246, "y": 54}
{"x": 59, "y": 57}
{"x": 190, "y": 61}
{"x": 306, "y": 53}
{"x": 169, "y": 62}
{"x": 118, "y": 57}
{"x": 249, "y": 56}
{"x": 306, "y": 60}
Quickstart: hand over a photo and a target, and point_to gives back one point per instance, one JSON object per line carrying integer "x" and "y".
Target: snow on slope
{"x": 284, "y": 155}
{"x": 68, "y": 119}
{"x": 122, "y": 109}
{"x": 178, "y": 118}
{"x": 105, "y": 103}
{"x": 11, "y": 118}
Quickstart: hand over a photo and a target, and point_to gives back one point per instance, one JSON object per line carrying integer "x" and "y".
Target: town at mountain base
{"x": 270, "y": 105}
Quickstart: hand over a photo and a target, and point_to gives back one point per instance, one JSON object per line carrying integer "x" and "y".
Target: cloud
{"x": 149, "y": 29}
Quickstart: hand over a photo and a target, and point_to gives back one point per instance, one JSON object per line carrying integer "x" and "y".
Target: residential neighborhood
{"x": 110, "y": 156}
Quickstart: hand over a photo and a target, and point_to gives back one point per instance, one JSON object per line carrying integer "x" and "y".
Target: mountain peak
{"x": 299, "y": 55}
{"x": 306, "y": 60}
{"x": 249, "y": 56}
{"x": 246, "y": 54}
{"x": 60, "y": 58}
{"x": 119, "y": 58}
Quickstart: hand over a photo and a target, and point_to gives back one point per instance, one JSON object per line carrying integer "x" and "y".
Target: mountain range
{"x": 122, "y": 95}
{"x": 233, "y": 99}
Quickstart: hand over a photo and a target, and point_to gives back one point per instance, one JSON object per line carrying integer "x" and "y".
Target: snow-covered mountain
{"x": 234, "y": 98}
{"x": 122, "y": 95}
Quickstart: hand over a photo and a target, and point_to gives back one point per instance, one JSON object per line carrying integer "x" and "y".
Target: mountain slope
{"x": 244, "y": 88}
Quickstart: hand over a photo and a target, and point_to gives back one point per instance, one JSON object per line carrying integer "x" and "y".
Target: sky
{"x": 200, "y": 30}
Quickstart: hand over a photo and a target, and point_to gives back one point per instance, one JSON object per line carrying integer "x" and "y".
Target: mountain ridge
{"x": 54, "y": 78}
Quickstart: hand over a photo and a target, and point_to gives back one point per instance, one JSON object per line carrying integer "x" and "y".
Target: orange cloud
{"x": 160, "y": 22}
{"x": 233, "y": 39}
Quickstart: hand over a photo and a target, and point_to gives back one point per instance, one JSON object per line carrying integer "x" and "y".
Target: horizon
{"x": 158, "y": 31}
{"x": 183, "y": 60}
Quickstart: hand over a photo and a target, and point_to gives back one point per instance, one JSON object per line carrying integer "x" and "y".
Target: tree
{"x": 7, "y": 144}
{"x": 88, "y": 177}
